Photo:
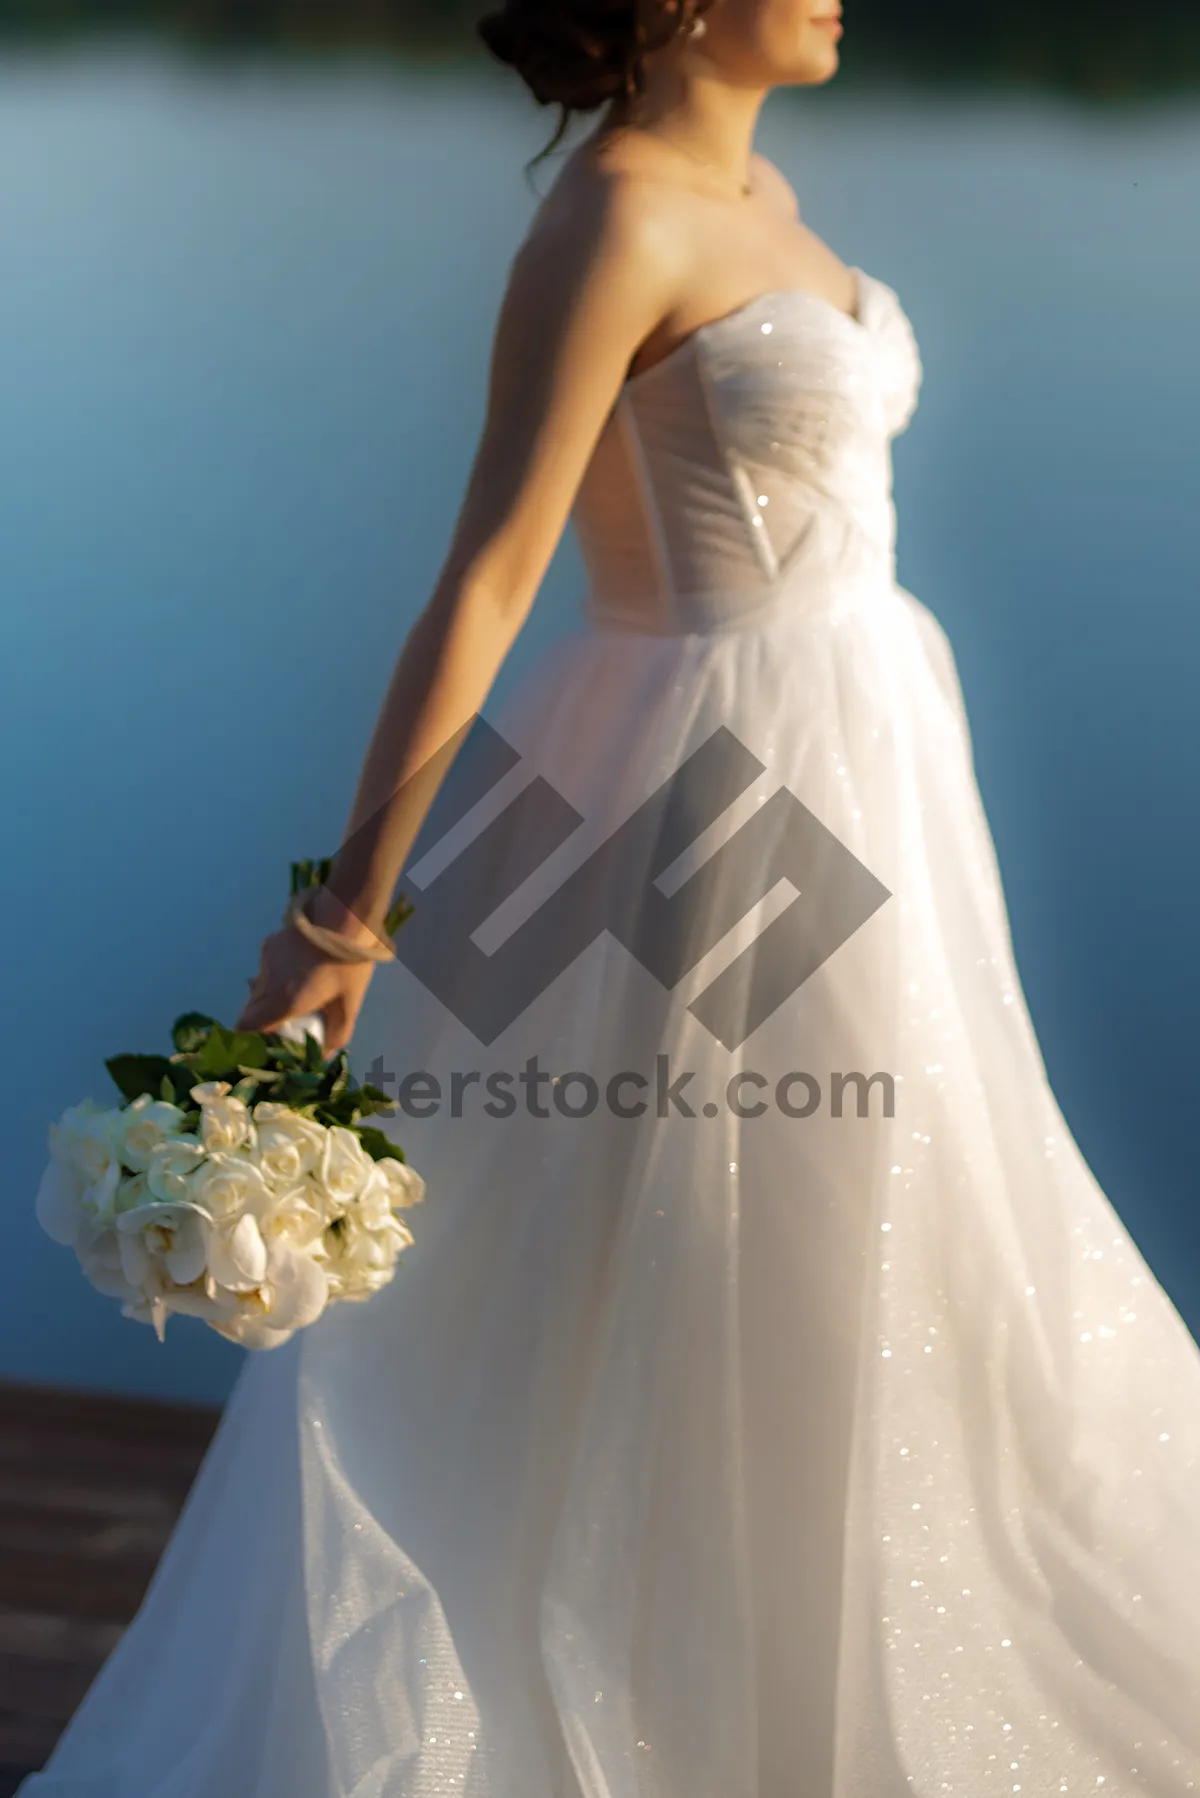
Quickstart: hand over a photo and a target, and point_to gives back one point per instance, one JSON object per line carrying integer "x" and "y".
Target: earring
{"x": 697, "y": 26}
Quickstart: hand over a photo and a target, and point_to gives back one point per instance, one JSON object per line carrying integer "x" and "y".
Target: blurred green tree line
{"x": 1106, "y": 48}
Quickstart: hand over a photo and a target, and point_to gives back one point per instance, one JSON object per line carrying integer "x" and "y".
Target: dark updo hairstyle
{"x": 580, "y": 54}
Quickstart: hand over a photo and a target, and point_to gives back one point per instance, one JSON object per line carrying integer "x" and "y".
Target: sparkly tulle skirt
{"x": 813, "y": 1431}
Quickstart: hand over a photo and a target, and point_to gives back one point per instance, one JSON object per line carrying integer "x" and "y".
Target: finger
{"x": 256, "y": 985}
{"x": 336, "y": 1034}
{"x": 339, "y": 1024}
{"x": 262, "y": 1012}
{"x": 262, "y": 1022}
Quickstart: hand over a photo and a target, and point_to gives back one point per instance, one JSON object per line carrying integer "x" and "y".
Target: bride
{"x": 773, "y": 1406}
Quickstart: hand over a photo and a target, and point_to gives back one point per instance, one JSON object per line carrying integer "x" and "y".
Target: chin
{"x": 813, "y": 74}
{"x": 828, "y": 63}
{"x": 815, "y": 69}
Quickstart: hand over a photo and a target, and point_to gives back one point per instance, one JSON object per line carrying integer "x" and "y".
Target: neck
{"x": 692, "y": 107}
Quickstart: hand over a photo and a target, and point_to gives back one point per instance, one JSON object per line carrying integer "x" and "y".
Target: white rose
{"x": 237, "y": 1254}
{"x": 151, "y": 1310}
{"x": 229, "y": 1184}
{"x": 345, "y": 1166}
{"x": 224, "y": 1122}
{"x": 145, "y": 1124}
{"x": 99, "y": 1250}
{"x": 404, "y": 1183}
{"x": 171, "y": 1164}
{"x": 293, "y": 1295}
{"x": 251, "y": 1331}
{"x": 289, "y": 1146}
{"x": 188, "y": 1301}
{"x": 212, "y": 1089}
{"x": 59, "y": 1203}
{"x": 200, "y": 1299}
{"x": 165, "y": 1242}
{"x": 362, "y": 1256}
{"x": 373, "y": 1208}
{"x": 87, "y": 1135}
{"x": 298, "y": 1289}
{"x": 87, "y": 1138}
{"x": 132, "y": 1193}
{"x": 294, "y": 1219}
{"x": 244, "y": 1209}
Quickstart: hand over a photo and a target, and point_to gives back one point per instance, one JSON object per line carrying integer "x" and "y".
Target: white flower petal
{"x": 111, "y": 1285}
{"x": 227, "y": 1185}
{"x": 58, "y": 1203}
{"x": 210, "y": 1091}
{"x": 238, "y": 1256}
{"x": 299, "y": 1291}
{"x": 345, "y": 1166}
{"x": 144, "y": 1125}
{"x": 224, "y": 1125}
{"x": 252, "y": 1333}
{"x": 170, "y": 1165}
{"x": 289, "y": 1147}
{"x": 405, "y": 1184}
{"x": 171, "y": 1215}
{"x": 101, "y": 1195}
{"x": 192, "y": 1301}
{"x": 88, "y": 1138}
{"x": 189, "y": 1258}
{"x": 135, "y": 1260}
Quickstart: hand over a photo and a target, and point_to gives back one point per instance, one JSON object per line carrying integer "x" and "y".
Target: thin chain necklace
{"x": 744, "y": 187}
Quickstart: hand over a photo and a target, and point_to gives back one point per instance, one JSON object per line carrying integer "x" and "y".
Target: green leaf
{"x": 337, "y": 1076}
{"x": 214, "y": 1059}
{"x": 310, "y": 874}
{"x": 400, "y": 913}
{"x": 138, "y": 1075}
{"x": 190, "y": 1032}
{"x": 299, "y": 1089}
{"x": 314, "y": 1055}
{"x": 225, "y": 1051}
{"x": 341, "y": 1111}
{"x": 382, "y": 1107}
{"x": 249, "y": 1049}
{"x": 373, "y": 1094}
{"x": 378, "y": 1146}
{"x": 168, "y": 1090}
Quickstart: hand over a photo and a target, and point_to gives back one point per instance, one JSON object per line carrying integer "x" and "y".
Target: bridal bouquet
{"x": 238, "y": 1183}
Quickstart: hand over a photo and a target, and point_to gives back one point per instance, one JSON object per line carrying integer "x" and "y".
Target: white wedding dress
{"x": 708, "y": 1456}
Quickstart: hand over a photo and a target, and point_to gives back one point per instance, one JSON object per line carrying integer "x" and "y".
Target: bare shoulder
{"x": 602, "y": 223}
{"x": 775, "y": 185}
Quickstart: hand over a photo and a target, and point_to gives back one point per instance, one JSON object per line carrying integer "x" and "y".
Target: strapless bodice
{"x": 751, "y": 469}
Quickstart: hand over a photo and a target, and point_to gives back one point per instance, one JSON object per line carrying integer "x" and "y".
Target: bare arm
{"x": 593, "y": 280}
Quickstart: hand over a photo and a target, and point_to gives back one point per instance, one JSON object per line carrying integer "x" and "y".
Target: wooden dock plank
{"x": 90, "y": 1488}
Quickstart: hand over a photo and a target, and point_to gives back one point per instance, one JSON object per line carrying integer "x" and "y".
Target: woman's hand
{"x": 294, "y": 978}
